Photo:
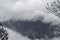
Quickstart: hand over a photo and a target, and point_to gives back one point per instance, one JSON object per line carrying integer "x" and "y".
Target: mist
{"x": 30, "y": 10}
{"x": 13, "y": 35}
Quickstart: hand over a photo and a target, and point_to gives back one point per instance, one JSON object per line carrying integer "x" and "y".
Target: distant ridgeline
{"x": 34, "y": 30}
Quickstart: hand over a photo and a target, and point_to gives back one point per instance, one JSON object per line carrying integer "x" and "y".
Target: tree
{"x": 54, "y": 7}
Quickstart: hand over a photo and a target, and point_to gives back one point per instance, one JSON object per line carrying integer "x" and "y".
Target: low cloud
{"x": 30, "y": 10}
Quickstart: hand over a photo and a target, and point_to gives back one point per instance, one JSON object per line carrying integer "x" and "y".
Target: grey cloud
{"x": 26, "y": 10}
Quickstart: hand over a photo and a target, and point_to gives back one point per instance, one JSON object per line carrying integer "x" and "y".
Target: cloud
{"x": 30, "y": 10}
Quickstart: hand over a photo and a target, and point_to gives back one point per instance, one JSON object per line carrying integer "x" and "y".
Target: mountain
{"x": 32, "y": 30}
